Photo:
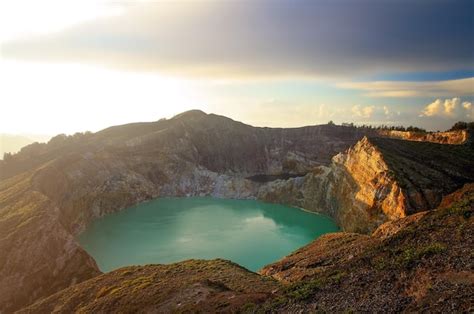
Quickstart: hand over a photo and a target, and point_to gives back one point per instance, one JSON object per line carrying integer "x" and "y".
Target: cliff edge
{"x": 378, "y": 180}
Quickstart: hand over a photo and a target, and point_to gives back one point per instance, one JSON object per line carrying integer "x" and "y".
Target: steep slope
{"x": 38, "y": 255}
{"x": 419, "y": 263}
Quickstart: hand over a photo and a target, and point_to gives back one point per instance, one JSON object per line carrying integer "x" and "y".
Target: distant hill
{"x": 12, "y": 143}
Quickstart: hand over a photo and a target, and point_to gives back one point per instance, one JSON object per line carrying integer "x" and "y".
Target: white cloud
{"x": 449, "y": 108}
{"x": 433, "y": 109}
{"x": 363, "y": 112}
{"x": 469, "y": 109}
{"x": 24, "y": 18}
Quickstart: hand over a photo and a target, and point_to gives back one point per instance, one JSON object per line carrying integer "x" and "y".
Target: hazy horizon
{"x": 44, "y": 138}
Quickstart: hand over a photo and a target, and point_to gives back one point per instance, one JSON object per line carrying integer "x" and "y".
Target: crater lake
{"x": 166, "y": 230}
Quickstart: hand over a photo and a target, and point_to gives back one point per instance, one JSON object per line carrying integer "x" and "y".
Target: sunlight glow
{"x": 66, "y": 98}
{"x": 19, "y": 18}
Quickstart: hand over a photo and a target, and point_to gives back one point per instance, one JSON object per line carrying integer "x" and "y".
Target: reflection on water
{"x": 166, "y": 230}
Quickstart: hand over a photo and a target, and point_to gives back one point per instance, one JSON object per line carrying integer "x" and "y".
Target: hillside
{"x": 50, "y": 192}
{"x": 212, "y": 286}
{"x": 421, "y": 263}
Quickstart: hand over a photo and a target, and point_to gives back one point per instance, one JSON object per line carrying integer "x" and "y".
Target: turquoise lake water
{"x": 167, "y": 230}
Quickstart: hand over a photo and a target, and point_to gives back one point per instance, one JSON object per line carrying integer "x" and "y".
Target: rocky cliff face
{"x": 358, "y": 190}
{"x": 378, "y": 180}
{"x": 451, "y": 137}
{"x": 49, "y": 192}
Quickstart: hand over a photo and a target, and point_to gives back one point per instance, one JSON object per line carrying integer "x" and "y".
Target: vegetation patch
{"x": 410, "y": 256}
{"x": 303, "y": 290}
{"x": 337, "y": 276}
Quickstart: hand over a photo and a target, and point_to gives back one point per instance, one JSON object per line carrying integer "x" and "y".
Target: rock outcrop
{"x": 378, "y": 180}
{"x": 451, "y": 137}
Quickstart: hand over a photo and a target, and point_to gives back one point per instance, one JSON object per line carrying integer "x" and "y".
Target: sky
{"x": 77, "y": 65}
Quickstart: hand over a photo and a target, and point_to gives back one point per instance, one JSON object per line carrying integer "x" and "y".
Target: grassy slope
{"x": 215, "y": 286}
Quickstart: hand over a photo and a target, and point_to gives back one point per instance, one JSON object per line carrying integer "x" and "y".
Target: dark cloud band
{"x": 268, "y": 38}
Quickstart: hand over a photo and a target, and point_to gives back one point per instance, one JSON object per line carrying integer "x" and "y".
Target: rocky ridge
{"x": 450, "y": 137}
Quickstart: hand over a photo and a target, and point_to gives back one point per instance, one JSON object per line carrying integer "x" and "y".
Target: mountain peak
{"x": 190, "y": 114}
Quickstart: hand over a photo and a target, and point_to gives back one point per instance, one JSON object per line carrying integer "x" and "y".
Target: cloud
{"x": 281, "y": 113}
{"x": 362, "y": 112}
{"x": 462, "y": 87}
{"x": 268, "y": 38}
{"x": 376, "y": 115}
{"x": 48, "y": 16}
{"x": 449, "y": 108}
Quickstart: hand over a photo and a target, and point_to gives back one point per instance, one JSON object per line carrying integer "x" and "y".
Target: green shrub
{"x": 303, "y": 290}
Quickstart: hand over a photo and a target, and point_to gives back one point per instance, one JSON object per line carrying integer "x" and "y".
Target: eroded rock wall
{"x": 451, "y": 137}
{"x": 357, "y": 189}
